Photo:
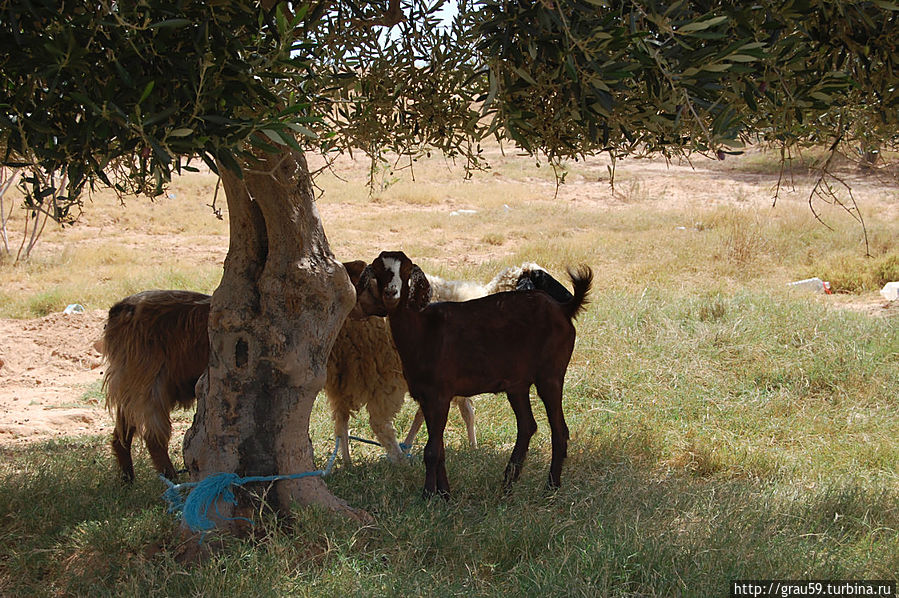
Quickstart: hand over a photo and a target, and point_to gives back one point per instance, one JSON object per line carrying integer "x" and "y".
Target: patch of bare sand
{"x": 46, "y": 365}
{"x": 870, "y": 304}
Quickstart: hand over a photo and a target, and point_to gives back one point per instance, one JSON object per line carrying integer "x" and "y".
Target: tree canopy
{"x": 646, "y": 77}
{"x": 125, "y": 94}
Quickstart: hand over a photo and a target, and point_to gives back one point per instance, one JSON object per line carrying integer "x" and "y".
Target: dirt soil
{"x": 49, "y": 377}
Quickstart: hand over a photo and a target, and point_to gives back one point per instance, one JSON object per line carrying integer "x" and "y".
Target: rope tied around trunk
{"x": 218, "y": 487}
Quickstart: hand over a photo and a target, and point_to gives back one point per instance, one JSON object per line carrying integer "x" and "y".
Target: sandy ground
{"x": 47, "y": 368}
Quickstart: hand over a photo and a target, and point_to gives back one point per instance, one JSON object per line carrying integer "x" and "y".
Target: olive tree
{"x": 126, "y": 94}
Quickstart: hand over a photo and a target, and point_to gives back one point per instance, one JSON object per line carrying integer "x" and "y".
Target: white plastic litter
{"x": 73, "y": 308}
{"x": 890, "y": 291}
{"x": 813, "y": 285}
{"x": 460, "y": 212}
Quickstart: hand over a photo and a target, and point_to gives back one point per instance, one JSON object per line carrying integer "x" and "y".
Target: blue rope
{"x": 218, "y": 487}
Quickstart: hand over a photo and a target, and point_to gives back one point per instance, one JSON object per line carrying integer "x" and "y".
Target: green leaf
{"x": 146, "y": 92}
{"x": 160, "y": 116}
{"x": 701, "y": 25}
{"x": 256, "y": 141}
{"x": 273, "y": 135}
{"x": 160, "y": 153}
{"x": 227, "y": 159}
{"x": 170, "y": 24}
{"x": 181, "y": 132}
{"x": 302, "y": 130}
{"x": 491, "y": 94}
{"x": 290, "y": 140}
{"x": 524, "y": 75}
{"x": 294, "y": 109}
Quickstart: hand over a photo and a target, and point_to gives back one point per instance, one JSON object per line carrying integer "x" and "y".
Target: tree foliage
{"x": 119, "y": 92}
{"x": 125, "y": 94}
{"x": 576, "y": 77}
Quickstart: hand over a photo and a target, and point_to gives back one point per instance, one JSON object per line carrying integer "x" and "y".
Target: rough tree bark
{"x": 274, "y": 317}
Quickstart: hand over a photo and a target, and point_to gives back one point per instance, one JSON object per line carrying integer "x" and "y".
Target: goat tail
{"x": 582, "y": 280}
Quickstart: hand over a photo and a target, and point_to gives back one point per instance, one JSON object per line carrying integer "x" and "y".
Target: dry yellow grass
{"x": 711, "y": 226}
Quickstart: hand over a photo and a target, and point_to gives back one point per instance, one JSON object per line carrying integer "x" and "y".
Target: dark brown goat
{"x": 503, "y": 342}
{"x": 157, "y": 347}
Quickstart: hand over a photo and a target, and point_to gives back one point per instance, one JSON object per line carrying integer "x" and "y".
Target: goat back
{"x": 156, "y": 345}
{"x": 509, "y": 339}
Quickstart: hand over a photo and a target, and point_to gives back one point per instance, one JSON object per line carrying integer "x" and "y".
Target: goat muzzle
{"x": 391, "y": 302}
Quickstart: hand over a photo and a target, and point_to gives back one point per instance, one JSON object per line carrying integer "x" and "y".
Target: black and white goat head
{"x": 390, "y": 281}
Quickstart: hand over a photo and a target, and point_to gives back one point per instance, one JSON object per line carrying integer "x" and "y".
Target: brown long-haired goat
{"x": 499, "y": 343}
{"x": 156, "y": 346}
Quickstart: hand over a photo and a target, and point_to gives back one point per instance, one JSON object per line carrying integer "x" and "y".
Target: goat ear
{"x": 525, "y": 284}
{"x": 419, "y": 289}
{"x": 364, "y": 279}
{"x": 354, "y": 270}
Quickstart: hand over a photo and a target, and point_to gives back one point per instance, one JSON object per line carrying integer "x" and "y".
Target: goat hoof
{"x": 552, "y": 486}
{"x": 428, "y": 494}
{"x": 511, "y": 475}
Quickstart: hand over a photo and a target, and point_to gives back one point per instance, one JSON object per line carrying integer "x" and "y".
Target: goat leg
{"x": 435, "y": 413}
{"x": 413, "y": 429}
{"x": 158, "y": 448}
{"x": 551, "y": 395}
{"x": 381, "y": 422}
{"x": 342, "y": 432}
{"x": 466, "y": 409}
{"x": 121, "y": 445}
{"x": 524, "y": 418}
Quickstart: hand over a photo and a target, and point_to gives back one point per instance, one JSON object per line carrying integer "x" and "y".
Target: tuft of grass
{"x": 493, "y": 239}
{"x": 45, "y": 302}
{"x": 852, "y": 273}
{"x": 93, "y": 394}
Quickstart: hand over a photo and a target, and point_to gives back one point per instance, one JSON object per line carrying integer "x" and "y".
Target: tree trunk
{"x": 274, "y": 317}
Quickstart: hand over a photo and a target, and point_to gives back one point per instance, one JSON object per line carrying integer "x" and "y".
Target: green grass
{"x": 722, "y": 428}
{"x": 714, "y": 437}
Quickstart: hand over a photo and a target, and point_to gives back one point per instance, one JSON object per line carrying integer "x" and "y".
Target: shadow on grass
{"x": 621, "y": 525}
{"x": 65, "y": 517}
